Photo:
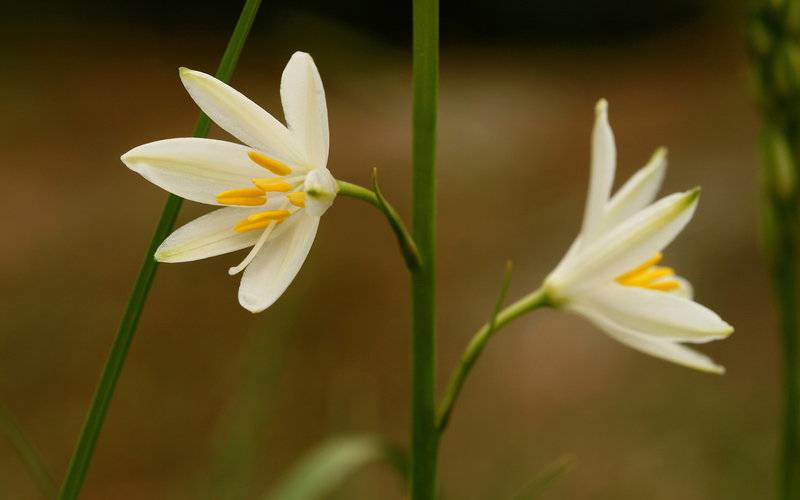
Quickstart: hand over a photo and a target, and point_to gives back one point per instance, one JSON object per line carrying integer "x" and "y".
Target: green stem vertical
{"x": 774, "y": 36}
{"x": 424, "y": 437}
{"x": 785, "y": 285}
{"x": 76, "y": 473}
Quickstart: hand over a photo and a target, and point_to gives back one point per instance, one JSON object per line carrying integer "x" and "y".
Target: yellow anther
{"x": 245, "y": 225}
{"x": 241, "y": 193}
{"x": 644, "y": 266}
{"x": 268, "y": 215}
{"x": 250, "y": 201}
{"x": 298, "y": 198}
{"x": 272, "y": 184}
{"x": 273, "y": 166}
{"x": 646, "y": 277}
{"x": 249, "y": 197}
{"x": 664, "y": 286}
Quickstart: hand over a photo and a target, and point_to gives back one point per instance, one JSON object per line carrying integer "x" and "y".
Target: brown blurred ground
{"x": 514, "y": 161}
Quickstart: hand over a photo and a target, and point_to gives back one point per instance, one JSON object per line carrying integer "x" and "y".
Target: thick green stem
{"x": 82, "y": 456}
{"x": 424, "y": 436}
{"x": 774, "y": 39}
{"x": 784, "y": 280}
{"x": 27, "y": 453}
{"x": 475, "y": 347}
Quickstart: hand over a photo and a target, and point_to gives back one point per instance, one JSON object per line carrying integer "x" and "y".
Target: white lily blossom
{"x": 610, "y": 274}
{"x": 274, "y": 188}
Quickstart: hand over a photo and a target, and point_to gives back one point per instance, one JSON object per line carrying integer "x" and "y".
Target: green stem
{"x": 785, "y": 285}
{"x": 27, "y": 453}
{"x": 425, "y": 85}
{"x": 376, "y": 199}
{"x": 82, "y": 456}
{"x": 475, "y": 347}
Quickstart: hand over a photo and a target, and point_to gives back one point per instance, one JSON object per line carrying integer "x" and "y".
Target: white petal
{"x": 242, "y": 118}
{"x": 304, "y": 106}
{"x": 627, "y": 245}
{"x": 658, "y": 347}
{"x": 321, "y": 189}
{"x": 604, "y": 159}
{"x": 652, "y": 312}
{"x": 207, "y": 236}
{"x": 276, "y": 265}
{"x": 638, "y": 192}
{"x": 195, "y": 169}
{"x": 685, "y": 288}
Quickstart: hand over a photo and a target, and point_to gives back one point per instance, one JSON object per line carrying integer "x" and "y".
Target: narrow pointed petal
{"x": 242, "y": 118}
{"x": 627, "y": 245}
{"x": 656, "y": 313}
{"x": 638, "y": 192}
{"x": 192, "y": 168}
{"x": 604, "y": 159}
{"x": 654, "y": 346}
{"x": 208, "y": 236}
{"x": 304, "y": 106}
{"x": 276, "y": 265}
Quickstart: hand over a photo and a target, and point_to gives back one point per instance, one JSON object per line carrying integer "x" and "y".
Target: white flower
{"x": 610, "y": 274}
{"x": 274, "y": 189}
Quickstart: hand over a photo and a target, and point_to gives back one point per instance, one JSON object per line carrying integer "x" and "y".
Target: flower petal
{"x": 627, "y": 245}
{"x": 685, "y": 288}
{"x": 208, "y": 236}
{"x": 604, "y": 159}
{"x": 304, "y": 106}
{"x": 654, "y": 346}
{"x": 638, "y": 192}
{"x": 192, "y": 168}
{"x": 276, "y": 265}
{"x": 654, "y": 313}
{"x": 242, "y": 118}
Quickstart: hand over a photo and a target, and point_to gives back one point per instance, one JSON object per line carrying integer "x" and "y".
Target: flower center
{"x": 253, "y": 197}
{"x": 649, "y": 275}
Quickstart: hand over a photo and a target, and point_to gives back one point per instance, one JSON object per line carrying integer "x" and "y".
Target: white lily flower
{"x": 274, "y": 188}
{"x": 610, "y": 274}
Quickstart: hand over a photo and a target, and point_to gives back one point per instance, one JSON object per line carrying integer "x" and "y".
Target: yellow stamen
{"x": 244, "y": 193}
{"x": 249, "y": 201}
{"x": 297, "y": 198}
{"x": 273, "y": 166}
{"x": 645, "y": 277}
{"x": 643, "y": 267}
{"x": 664, "y": 286}
{"x": 269, "y": 215}
{"x": 245, "y": 225}
{"x": 272, "y": 184}
{"x": 247, "y": 197}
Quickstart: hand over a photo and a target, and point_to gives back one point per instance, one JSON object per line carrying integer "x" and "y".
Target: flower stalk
{"x": 79, "y": 464}
{"x": 425, "y": 86}
{"x": 375, "y": 198}
{"x": 774, "y": 39}
{"x": 500, "y": 318}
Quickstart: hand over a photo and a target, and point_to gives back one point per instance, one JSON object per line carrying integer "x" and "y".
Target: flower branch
{"x": 376, "y": 199}
{"x": 500, "y": 318}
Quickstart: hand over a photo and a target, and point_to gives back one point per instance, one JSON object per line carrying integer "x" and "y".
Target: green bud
{"x": 760, "y": 37}
{"x": 782, "y": 174}
{"x": 786, "y": 70}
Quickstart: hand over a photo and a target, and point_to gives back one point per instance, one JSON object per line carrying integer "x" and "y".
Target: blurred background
{"x": 217, "y": 403}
